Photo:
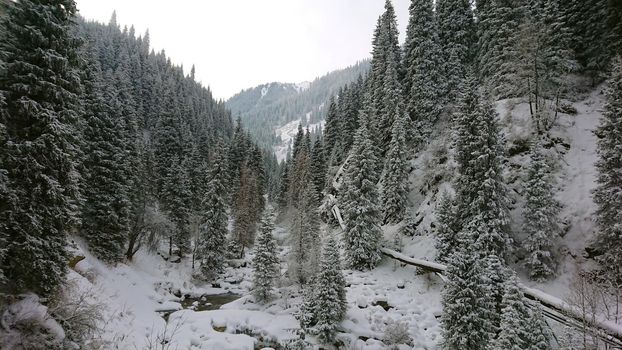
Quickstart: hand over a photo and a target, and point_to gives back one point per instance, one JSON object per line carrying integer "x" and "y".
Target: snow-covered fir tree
{"x": 394, "y": 181}
{"x": 456, "y": 32}
{"x": 538, "y": 331}
{"x": 608, "y": 193}
{"x": 40, "y": 86}
{"x": 318, "y": 167}
{"x": 266, "y": 261}
{"x": 589, "y": 34}
{"x": 469, "y": 311}
{"x": 423, "y": 84}
{"x": 445, "y": 227}
{"x": 330, "y": 294}
{"x": 305, "y": 237}
{"x": 331, "y": 130}
{"x": 497, "y": 50}
{"x": 106, "y": 208}
{"x": 541, "y": 218}
{"x": 481, "y": 198}
{"x": 244, "y": 217}
{"x": 306, "y": 314}
{"x": 513, "y": 327}
{"x": 358, "y": 203}
{"x": 383, "y": 87}
{"x": 210, "y": 250}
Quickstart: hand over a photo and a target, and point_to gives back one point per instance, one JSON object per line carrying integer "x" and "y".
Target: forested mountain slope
{"x": 267, "y": 107}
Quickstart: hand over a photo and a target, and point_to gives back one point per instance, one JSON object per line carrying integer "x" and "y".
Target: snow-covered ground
{"x": 137, "y": 297}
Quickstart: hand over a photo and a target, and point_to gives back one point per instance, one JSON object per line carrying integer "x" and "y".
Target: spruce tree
{"x": 538, "y": 332}
{"x": 608, "y": 193}
{"x": 423, "y": 83}
{"x": 106, "y": 209}
{"x": 394, "y": 181}
{"x": 305, "y": 237}
{"x": 40, "y": 86}
{"x": 358, "y": 200}
{"x": 213, "y": 224}
{"x": 265, "y": 261}
{"x": 318, "y": 168}
{"x": 445, "y": 227}
{"x": 497, "y": 29}
{"x": 306, "y": 314}
{"x": 283, "y": 191}
{"x": 468, "y": 309}
{"x": 456, "y": 32}
{"x": 589, "y": 34}
{"x": 541, "y": 218}
{"x": 330, "y": 303}
{"x": 332, "y": 129}
{"x": 481, "y": 199}
{"x": 513, "y": 327}
{"x": 244, "y": 223}
{"x": 383, "y": 84}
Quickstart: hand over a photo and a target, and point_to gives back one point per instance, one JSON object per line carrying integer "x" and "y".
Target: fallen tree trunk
{"x": 554, "y": 308}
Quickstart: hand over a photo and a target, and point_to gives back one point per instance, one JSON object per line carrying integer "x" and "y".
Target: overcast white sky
{"x": 236, "y": 44}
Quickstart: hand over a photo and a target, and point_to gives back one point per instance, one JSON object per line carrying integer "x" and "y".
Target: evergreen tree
{"x": 468, "y": 309}
{"x": 332, "y": 129}
{"x": 445, "y": 227}
{"x": 106, "y": 210}
{"x": 318, "y": 168}
{"x": 456, "y": 32}
{"x": 214, "y": 220}
{"x": 283, "y": 192}
{"x": 538, "y": 333}
{"x": 589, "y": 34}
{"x": 513, "y": 328}
{"x": 358, "y": 199}
{"x": 497, "y": 29}
{"x": 608, "y": 193}
{"x": 395, "y": 175}
{"x": 541, "y": 222}
{"x": 305, "y": 238}
{"x": 40, "y": 86}
{"x": 481, "y": 199}
{"x": 330, "y": 303}
{"x": 244, "y": 223}
{"x": 423, "y": 83}
{"x": 176, "y": 195}
{"x": 383, "y": 85}
{"x": 306, "y": 314}
{"x": 265, "y": 261}
{"x": 300, "y": 168}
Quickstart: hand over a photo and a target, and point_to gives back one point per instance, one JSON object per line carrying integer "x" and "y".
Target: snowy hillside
{"x": 268, "y": 107}
{"x": 574, "y": 155}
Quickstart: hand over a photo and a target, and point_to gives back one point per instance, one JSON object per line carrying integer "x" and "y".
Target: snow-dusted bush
{"x": 26, "y": 324}
{"x": 79, "y": 315}
{"x": 396, "y": 333}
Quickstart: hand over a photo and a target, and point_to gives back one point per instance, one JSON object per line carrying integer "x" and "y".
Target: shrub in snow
{"x": 26, "y": 325}
{"x": 298, "y": 343}
{"x": 396, "y": 333}
{"x": 79, "y": 315}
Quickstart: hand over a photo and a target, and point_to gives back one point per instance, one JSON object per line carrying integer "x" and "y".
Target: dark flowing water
{"x": 209, "y": 302}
